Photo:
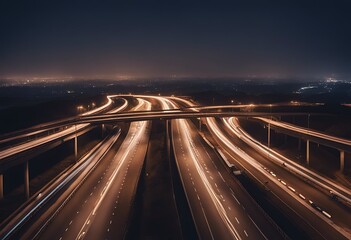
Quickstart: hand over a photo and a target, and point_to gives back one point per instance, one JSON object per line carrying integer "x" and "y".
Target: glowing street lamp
{"x": 80, "y": 108}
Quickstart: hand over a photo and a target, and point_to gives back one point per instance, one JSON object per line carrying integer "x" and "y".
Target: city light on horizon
{"x": 155, "y": 39}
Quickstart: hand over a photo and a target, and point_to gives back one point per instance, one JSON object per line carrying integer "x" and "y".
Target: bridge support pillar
{"x": 308, "y": 152}
{"x": 26, "y": 179}
{"x": 75, "y": 144}
{"x": 342, "y": 160}
{"x": 103, "y": 129}
{"x": 1, "y": 186}
{"x": 167, "y": 122}
{"x": 269, "y": 135}
{"x": 76, "y": 147}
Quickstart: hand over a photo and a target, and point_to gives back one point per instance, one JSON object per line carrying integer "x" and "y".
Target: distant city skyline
{"x": 91, "y": 39}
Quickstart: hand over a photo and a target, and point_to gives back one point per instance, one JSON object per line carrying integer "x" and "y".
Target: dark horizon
{"x": 307, "y": 39}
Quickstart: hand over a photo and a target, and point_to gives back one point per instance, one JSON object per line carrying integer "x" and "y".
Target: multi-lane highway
{"x": 94, "y": 198}
{"x": 294, "y": 193}
{"x": 34, "y": 131}
{"x": 322, "y": 182}
{"x": 217, "y": 212}
{"x": 307, "y": 132}
{"x": 215, "y": 201}
{"x": 10, "y": 151}
{"x": 280, "y": 170}
{"x": 103, "y": 197}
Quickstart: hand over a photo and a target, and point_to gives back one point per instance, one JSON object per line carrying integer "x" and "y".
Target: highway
{"x": 282, "y": 172}
{"x": 305, "y": 131}
{"x": 97, "y": 186}
{"x": 308, "y": 133}
{"x": 294, "y": 193}
{"x": 55, "y": 189}
{"x": 131, "y": 116}
{"x": 8, "y": 152}
{"x": 101, "y": 206}
{"x": 216, "y": 209}
{"x": 94, "y": 199}
{"x": 216, "y": 202}
{"x": 34, "y": 131}
{"x": 195, "y": 107}
{"x": 327, "y": 184}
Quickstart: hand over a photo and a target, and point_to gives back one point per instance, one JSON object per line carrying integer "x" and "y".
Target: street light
{"x": 80, "y": 108}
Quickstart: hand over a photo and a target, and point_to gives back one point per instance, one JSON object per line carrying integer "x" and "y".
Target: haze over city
{"x": 307, "y": 39}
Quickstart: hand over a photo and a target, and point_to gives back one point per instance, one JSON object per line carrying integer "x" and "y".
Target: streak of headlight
{"x": 194, "y": 156}
{"x": 233, "y": 125}
{"x": 141, "y": 126}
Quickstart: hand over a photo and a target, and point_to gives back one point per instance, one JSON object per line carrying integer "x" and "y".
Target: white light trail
{"x": 131, "y": 144}
{"x": 344, "y": 193}
{"x": 194, "y": 157}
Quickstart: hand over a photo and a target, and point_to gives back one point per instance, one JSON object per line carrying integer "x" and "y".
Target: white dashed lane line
{"x": 236, "y": 199}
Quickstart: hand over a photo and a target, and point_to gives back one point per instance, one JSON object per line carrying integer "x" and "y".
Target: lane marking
{"x": 236, "y": 199}
{"x": 208, "y": 225}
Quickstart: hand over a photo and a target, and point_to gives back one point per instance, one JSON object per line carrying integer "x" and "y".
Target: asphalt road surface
{"x": 101, "y": 206}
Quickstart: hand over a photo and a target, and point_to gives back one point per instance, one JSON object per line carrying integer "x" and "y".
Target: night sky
{"x": 175, "y": 38}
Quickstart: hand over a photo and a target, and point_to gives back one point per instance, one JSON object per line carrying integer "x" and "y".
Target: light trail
{"x": 194, "y": 157}
{"x": 184, "y": 130}
{"x": 233, "y": 125}
{"x": 251, "y": 161}
{"x": 305, "y": 131}
{"x": 131, "y": 144}
{"x": 99, "y": 109}
{"x": 82, "y": 167}
{"x": 85, "y": 164}
{"x": 121, "y": 108}
{"x": 43, "y": 140}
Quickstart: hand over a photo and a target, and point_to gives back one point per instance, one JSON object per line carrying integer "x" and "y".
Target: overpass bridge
{"x": 11, "y": 158}
{"x": 22, "y": 152}
{"x": 309, "y": 135}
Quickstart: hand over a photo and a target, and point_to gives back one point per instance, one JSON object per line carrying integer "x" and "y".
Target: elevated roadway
{"x": 307, "y": 134}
